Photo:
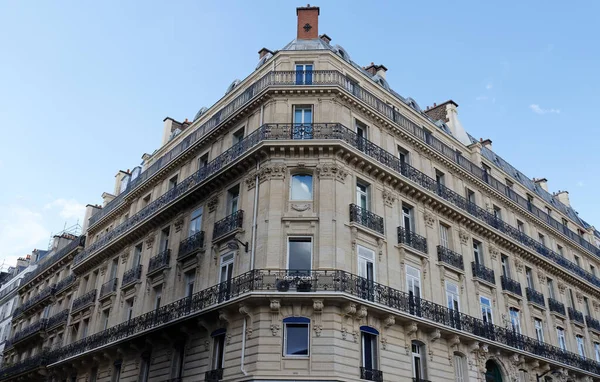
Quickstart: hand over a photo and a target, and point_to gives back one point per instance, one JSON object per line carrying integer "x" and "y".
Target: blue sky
{"x": 85, "y": 85}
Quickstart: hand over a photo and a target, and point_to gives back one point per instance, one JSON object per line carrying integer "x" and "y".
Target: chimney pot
{"x": 263, "y": 52}
{"x": 308, "y": 22}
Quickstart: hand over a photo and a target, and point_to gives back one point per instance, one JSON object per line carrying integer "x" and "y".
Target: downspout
{"x": 255, "y": 212}
{"x": 243, "y": 349}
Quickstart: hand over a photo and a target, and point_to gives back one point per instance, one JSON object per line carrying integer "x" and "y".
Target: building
{"x": 315, "y": 225}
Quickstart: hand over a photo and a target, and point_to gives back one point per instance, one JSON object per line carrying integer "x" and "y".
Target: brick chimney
{"x": 308, "y": 22}
{"x": 440, "y": 112}
{"x": 542, "y": 182}
{"x": 376, "y": 69}
{"x": 263, "y": 52}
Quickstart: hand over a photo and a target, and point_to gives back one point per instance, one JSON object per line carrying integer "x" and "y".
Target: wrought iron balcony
{"x": 28, "y": 331}
{"x": 191, "y": 245}
{"x": 84, "y": 301}
{"x": 58, "y": 319}
{"x": 510, "y": 285}
{"x": 449, "y": 257}
{"x": 64, "y": 283}
{"x": 108, "y": 288}
{"x": 131, "y": 276}
{"x": 535, "y": 297}
{"x": 592, "y": 323}
{"x": 556, "y": 306}
{"x": 371, "y": 374}
{"x": 26, "y": 365}
{"x": 10, "y": 289}
{"x": 228, "y": 224}
{"x": 420, "y": 380}
{"x": 483, "y": 273}
{"x": 576, "y": 316}
{"x": 214, "y": 375}
{"x": 412, "y": 239}
{"x": 159, "y": 262}
{"x": 366, "y": 218}
{"x": 44, "y": 294}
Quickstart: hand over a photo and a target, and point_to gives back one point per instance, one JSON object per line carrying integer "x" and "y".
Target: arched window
{"x": 301, "y": 187}
{"x": 296, "y": 336}
{"x": 418, "y": 360}
{"x": 460, "y": 370}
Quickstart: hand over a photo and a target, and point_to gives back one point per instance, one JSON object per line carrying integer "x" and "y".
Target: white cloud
{"x": 538, "y": 110}
{"x": 489, "y": 86}
{"x": 69, "y": 209}
{"x": 21, "y": 230}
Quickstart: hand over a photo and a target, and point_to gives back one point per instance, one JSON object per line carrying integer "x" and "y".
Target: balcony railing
{"x": 27, "y": 365}
{"x": 366, "y": 218}
{"x": 64, "y": 283}
{"x": 556, "y": 306}
{"x": 412, "y": 239}
{"x": 131, "y": 276}
{"x": 510, "y": 285}
{"x": 44, "y": 294}
{"x": 58, "y": 319}
{"x": 13, "y": 287}
{"x": 535, "y": 297}
{"x": 420, "y": 380}
{"x": 449, "y": 257}
{"x": 337, "y": 131}
{"x": 592, "y": 323}
{"x": 190, "y": 245}
{"x": 371, "y": 374}
{"x": 483, "y": 273}
{"x": 109, "y": 287}
{"x": 228, "y": 224}
{"x": 159, "y": 261}
{"x": 28, "y": 331}
{"x": 84, "y": 301}
{"x": 576, "y": 316}
{"x": 214, "y": 375}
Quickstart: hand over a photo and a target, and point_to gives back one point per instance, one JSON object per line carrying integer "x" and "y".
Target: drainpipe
{"x": 243, "y": 349}
{"x": 255, "y": 212}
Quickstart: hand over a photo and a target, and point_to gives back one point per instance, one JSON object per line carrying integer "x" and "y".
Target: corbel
{"x": 275, "y": 306}
{"x": 245, "y": 311}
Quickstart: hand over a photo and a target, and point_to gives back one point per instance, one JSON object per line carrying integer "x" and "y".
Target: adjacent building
{"x": 315, "y": 225}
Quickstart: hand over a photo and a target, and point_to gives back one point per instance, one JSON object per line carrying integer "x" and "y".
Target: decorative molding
{"x": 332, "y": 171}
{"x": 317, "y": 311}
{"x": 213, "y": 203}
{"x": 251, "y": 180}
{"x": 275, "y": 306}
{"x": 273, "y": 171}
{"x": 125, "y": 256}
{"x": 579, "y": 296}
{"x": 463, "y": 235}
{"x": 178, "y": 224}
{"x": 150, "y": 240}
{"x": 300, "y": 207}
{"x": 494, "y": 252}
{"x": 596, "y": 305}
{"x": 519, "y": 265}
{"x": 429, "y": 219}
{"x": 388, "y": 198}
{"x": 541, "y": 277}
{"x": 562, "y": 287}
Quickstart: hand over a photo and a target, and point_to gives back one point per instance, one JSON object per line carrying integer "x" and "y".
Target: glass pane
{"x": 297, "y": 339}
{"x": 301, "y": 187}
{"x": 300, "y": 254}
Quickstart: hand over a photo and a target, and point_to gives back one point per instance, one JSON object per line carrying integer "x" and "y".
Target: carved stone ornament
{"x": 596, "y": 305}
{"x": 579, "y": 296}
{"x": 125, "y": 256}
{"x": 541, "y": 277}
{"x": 429, "y": 219}
{"x": 300, "y": 207}
{"x": 519, "y": 265}
{"x": 273, "y": 171}
{"x": 150, "y": 240}
{"x": 494, "y": 252}
{"x": 463, "y": 235}
{"x": 213, "y": 203}
{"x": 251, "y": 180}
{"x": 318, "y": 305}
{"x": 388, "y": 198}
{"x": 562, "y": 287}
{"x": 178, "y": 224}
{"x": 332, "y": 171}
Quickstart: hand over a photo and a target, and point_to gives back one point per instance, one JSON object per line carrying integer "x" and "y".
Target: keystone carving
{"x": 388, "y": 198}
{"x": 463, "y": 235}
{"x": 429, "y": 219}
{"x": 332, "y": 171}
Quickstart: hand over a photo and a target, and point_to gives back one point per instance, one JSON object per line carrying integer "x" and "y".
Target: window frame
{"x": 538, "y": 326}
{"x": 296, "y": 322}
{"x": 311, "y": 190}
{"x": 299, "y": 238}
{"x": 413, "y": 278}
{"x": 560, "y": 334}
{"x": 489, "y": 311}
{"x": 373, "y": 335}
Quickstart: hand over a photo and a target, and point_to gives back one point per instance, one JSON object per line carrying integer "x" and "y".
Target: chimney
{"x": 542, "y": 182}
{"x": 486, "y": 143}
{"x": 308, "y": 22}
{"x": 325, "y": 38}
{"x": 563, "y": 197}
{"x": 263, "y": 52}
{"x": 376, "y": 70}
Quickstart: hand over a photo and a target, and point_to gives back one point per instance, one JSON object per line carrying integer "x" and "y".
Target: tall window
{"x": 164, "y": 238}
{"x": 360, "y": 129}
{"x": 114, "y": 267}
{"x": 440, "y": 178}
{"x": 444, "y": 234}
{"x": 196, "y": 221}
{"x": 515, "y": 320}
{"x": 452, "y": 299}
{"x": 577, "y": 260}
{"x": 233, "y": 196}
{"x": 404, "y": 156}
{"x": 459, "y": 368}
{"x": 190, "y": 277}
{"x": 407, "y": 218}
{"x": 203, "y": 161}
{"x": 301, "y": 187}
{"x": 366, "y": 259}
{"x": 418, "y": 351}
{"x": 593, "y": 270}
{"x": 145, "y": 367}
{"x": 539, "y": 329}
{"x": 580, "y": 345}
{"x": 173, "y": 182}
{"x": 116, "y": 375}
{"x": 237, "y": 137}
{"x": 362, "y": 195}
{"x": 413, "y": 281}
{"x": 560, "y": 333}
{"x": 477, "y": 253}
{"x": 520, "y": 226}
{"x": 129, "y": 309}
{"x": 586, "y": 306}
{"x": 303, "y": 115}
{"x": 218, "y": 353}
{"x": 471, "y": 196}
{"x": 299, "y": 253}
{"x": 369, "y": 349}
{"x": 542, "y": 239}
{"x": 137, "y": 254}
{"x": 597, "y": 351}
{"x": 560, "y": 250}
{"x": 529, "y": 276}
{"x": 85, "y": 325}
{"x": 486, "y": 309}
{"x": 296, "y": 336}
{"x": 550, "y": 284}
{"x": 105, "y": 317}
{"x": 178, "y": 360}
{"x": 226, "y": 267}
{"x": 157, "y": 296}
{"x": 497, "y": 212}
{"x": 304, "y": 74}
{"x": 505, "y": 266}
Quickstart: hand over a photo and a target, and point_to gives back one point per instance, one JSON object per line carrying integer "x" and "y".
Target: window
{"x": 299, "y": 253}
{"x": 304, "y": 74}
{"x": 520, "y": 226}
{"x": 173, "y": 182}
{"x": 116, "y": 375}
{"x": 226, "y": 267}
{"x": 444, "y": 236}
{"x": 417, "y": 361}
{"x": 360, "y": 129}
{"x": 560, "y": 333}
{"x": 529, "y": 276}
{"x": 529, "y": 202}
{"x": 577, "y": 261}
{"x": 509, "y": 184}
{"x": 362, "y": 195}
{"x": 486, "y": 309}
{"x": 218, "y": 354}
{"x": 404, "y": 156}
{"x": 145, "y": 367}
{"x": 203, "y": 161}
{"x": 571, "y": 299}
{"x": 477, "y": 253}
{"x": 440, "y": 178}
{"x": 196, "y": 221}
{"x": 497, "y": 212}
{"x": 94, "y": 375}
{"x": 105, "y": 316}
{"x": 580, "y": 346}
{"x": 586, "y": 306}
{"x": 303, "y": 119}
{"x": 114, "y": 267}
{"x": 178, "y": 360}
{"x": 593, "y": 270}
{"x": 597, "y": 351}
{"x": 460, "y": 368}
{"x": 366, "y": 258}
{"x": 548, "y": 211}
{"x": 85, "y": 324}
{"x": 189, "y": 283}
{"x": 301, "y": 187}
{"x": 164, "y": 238}
{"x": 296, "y": 336}
{"x": 146, "y": 200}
{"x": 129, "y": 309}
{"x": 157, "y": 296}
{"x": 237, "y": 137}
{"x": 407, "y": 217}
{"x": 369, "y": 349}
{"x": 471, "y": 196}
{"x": 413, "y": 281}
{"x": 137, "y": 254}
{"x": 542, "y": 239}
{"x": 560, "y": 250}
{"x": 452, "y": 300}
{"x": 505, "y": 266}
{"x": 515, "y": 321}
{"x": 539, "y": 329}
{"x": 565, "y": 222}
{"x": 233, "y": 196}
{"x": 550, "y": 284}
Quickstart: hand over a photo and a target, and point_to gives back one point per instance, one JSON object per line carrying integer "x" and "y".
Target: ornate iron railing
{"x": 159, "y": 261}
{"x": 64, "y": 283}
{"x": 81, "y": 302}
{"x": 28, "y": 331}
{"x": 109, "y": 287}
{"x": 12, "y": 288}
{"x": 412, "y": 239}
{"x": 228, "y": 224}
{"x": 420, "y": 380}
{"x": 482, "y": 272}
{"x": 366, "y": 218}
{"x": 371, "y": 374}
{"x": 556, "y": 306}
{"x": 132, "y": 275}
{"x": 58, "y": 319}
{"x": 510, "y": 285}
{"x": 576, "y": 315}
{"x": 26, "y": 365}
{"x": 214, "y": 375}
{"x": 592, "y": 323}
{"x": 449, "y": 257}
{"x": 190, "y": 245}
{"x": 535, "y": 296}
{"x": 45, "y": 293}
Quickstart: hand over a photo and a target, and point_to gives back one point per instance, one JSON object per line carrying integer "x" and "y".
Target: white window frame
{"x": 580, "y": 345}
{"x": 459, "y": 368}
{"x": 444, "y": 236}
{"x": 303, "y": 114}
{"x": 560, "y": 334}
{"x": 410, "y": 280}
{"x": 478, "y": 252}
{"x": 408, "y": 212}
{"x": 196, "y": 215}
{"x": 539, "y": 329}
{"x": 488, "y": 307}
{"x": 451, "y": 295}
{"x": 226, "y": 260}
{"x": 363, "y": 260}
{"x": 419, "y": 355}
{"x": 360, "y": 193}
